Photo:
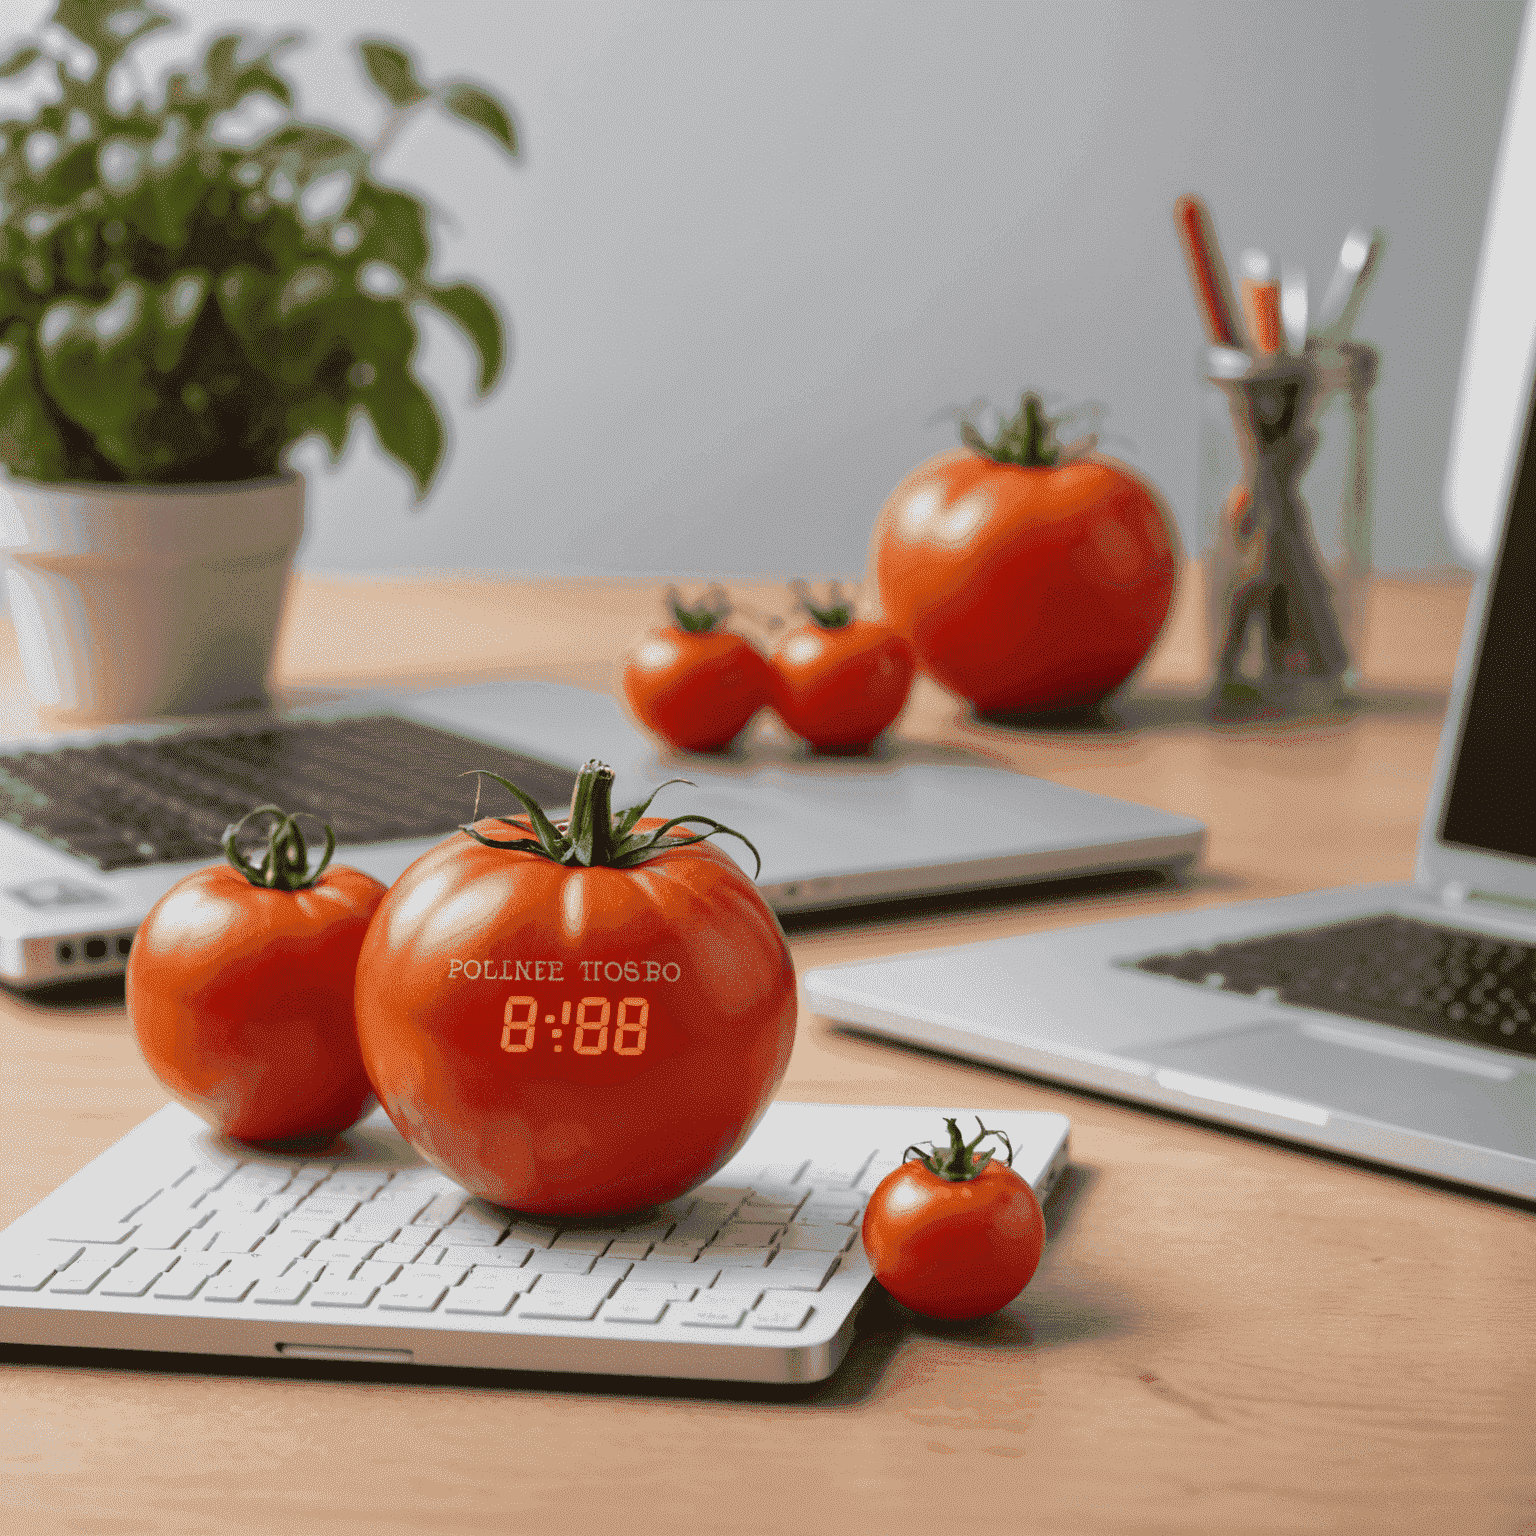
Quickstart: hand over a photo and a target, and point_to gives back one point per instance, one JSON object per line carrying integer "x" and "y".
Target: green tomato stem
{"x": 960, "y": 1162}
{"x": 1028, "y": 439}
{"x": 284, "y": 864}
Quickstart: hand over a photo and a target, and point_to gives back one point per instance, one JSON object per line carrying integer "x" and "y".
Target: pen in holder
{"x": 1281, "y": 435}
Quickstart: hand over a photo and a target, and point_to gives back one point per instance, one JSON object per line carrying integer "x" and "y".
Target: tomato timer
{"x": 576, "y": 1018}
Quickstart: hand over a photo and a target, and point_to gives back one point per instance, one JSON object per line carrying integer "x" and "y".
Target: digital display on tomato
{"x": 588, "y": 1026}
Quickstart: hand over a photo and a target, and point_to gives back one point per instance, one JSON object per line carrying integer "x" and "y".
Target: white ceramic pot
{"x": 135, "y": 601}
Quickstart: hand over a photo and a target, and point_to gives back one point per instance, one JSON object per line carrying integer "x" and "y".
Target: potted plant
{"x": 178, "y": 308}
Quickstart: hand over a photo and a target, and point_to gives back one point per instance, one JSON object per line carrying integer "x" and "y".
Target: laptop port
{"x": 65, "y": 954}
{"x": 124, "y": 944}
{"x": 95, "y": 949}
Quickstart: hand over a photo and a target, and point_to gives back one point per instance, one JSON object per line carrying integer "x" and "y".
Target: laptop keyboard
{"x": 168, "y": 800}
{"x": 317, "y": 1236}
{"x": 177, "y": 1239}
{"x": 1390, "y": 970}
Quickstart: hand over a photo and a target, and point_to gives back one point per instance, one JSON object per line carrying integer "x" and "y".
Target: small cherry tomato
{"x": 696, "y": 684}
{"x": 953, "y": 1233}
{"x": 577, "y": 1019}
{"x": 838, "y": 681}
{"x": 240, "y": 983}
{"x": 1026, "y": 584}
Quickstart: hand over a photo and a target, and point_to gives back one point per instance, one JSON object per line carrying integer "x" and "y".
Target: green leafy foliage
{"x": 178, "y": 304}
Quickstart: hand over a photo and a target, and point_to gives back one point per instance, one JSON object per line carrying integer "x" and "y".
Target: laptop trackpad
{"x": 1411, "y": 1084}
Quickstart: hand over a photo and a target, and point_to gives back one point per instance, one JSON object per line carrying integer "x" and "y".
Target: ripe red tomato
{"x": 695, "y": 684}
{"x": 576, "y": 1022}
{"x": 955, "y": 1233}
{"x": 240, "y": 993}
{"x": 1025, "y": 585}
{"x": 838, "y": 681}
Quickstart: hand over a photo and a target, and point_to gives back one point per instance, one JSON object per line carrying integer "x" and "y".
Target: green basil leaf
{"x": 391, "y": 70}
{"x": 322, "y": 413}
{"x": 476, "y": 316}
{"x": 94, "y": 360}
{"x": 178, "y": 306}
{"x": 30, "y": 441}
{"x": 472, "y": 104}
{"x": 392, "y": 228}
{"x": 407, "y": 425}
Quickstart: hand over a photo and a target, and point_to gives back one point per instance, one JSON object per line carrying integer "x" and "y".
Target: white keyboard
{"x": 176, "y": 1240}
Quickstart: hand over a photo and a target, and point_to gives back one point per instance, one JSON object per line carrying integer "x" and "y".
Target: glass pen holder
{"x": 1285, "y": 506}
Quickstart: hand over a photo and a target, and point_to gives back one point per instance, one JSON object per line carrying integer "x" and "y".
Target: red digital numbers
{"x": 590, "y": 1035}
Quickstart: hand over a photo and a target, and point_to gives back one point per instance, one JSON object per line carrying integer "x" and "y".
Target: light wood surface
{"x": 1225, "y": 1335}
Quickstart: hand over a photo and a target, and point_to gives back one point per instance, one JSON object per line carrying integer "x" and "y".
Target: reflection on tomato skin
{"x": 575, "y": 1095}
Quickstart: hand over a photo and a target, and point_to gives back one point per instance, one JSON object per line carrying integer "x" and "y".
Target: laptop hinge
{"x": 1492, "y": 904}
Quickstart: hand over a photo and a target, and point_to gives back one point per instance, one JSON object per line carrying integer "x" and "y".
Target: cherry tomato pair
{"x": 836, "y": 681}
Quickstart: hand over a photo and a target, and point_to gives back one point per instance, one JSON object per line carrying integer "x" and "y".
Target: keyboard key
{"x": 170, "y": 1232}
{"x": 482, "y": 1300}
{"x": 834, "y": 1174}
{"x": 611, "y": 1268}
{"x": 592, "y": 1243}
{"x": 627, "y": 1248}
{"x": 802, "y": 1270}
{"x": 785, "y": 1314}
{"x": 330, "y": 1249}
{"x": 737, "y": 1258}
{"x": 377, "y": 1271}
{"x": 86, "y": 1272}
{"x": 545, "y": 1262}
{"x": 829, "y": 1210}
{"x": 26, "y": 1274}
{"x": 662, "y": 1288}
{"x": 536, "y": 1234}
{"x": 87, "y": 1229}
{"x": 183, "y": 1282}
{"x": 363, "y": 1230}
{"x": 645, "y": 1307}
{"x": 664, "y": 1271}
{"x": 746, "y": 1234}
{"x": 282, "y": 1249}
{"x": 353, "y": 1183}
{"x": 336, "y": 1207}
{"x": 504, "y": 1256}
{"x": 673, "y": 1249}
{"x": 570, "y": 1303}
{"x": 342, "y": 1293}
{"x": 302, "y": 1224}
{"x": 817, "y": 1237}
{"x": 470, "y": 1236}
{"x": 399, "y": 1253}
{"x": 711, "y": 1312}
{"x": 134, "y": 1276}
{"x": 281, "y": 1291}
{"x": 230, "y": 1286}
{"x": 409, "y": 1294}
{"x": 774, "y": 1212}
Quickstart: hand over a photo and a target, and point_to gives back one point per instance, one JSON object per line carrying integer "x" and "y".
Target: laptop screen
{"x": 1492, "y": 801}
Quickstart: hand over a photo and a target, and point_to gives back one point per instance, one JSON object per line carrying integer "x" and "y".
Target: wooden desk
{"x": 1226, "y": 1335}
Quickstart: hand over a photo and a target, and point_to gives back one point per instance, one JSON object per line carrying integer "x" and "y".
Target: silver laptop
{"x": 93, "y": 829}
{"x": 1395, "y": 1023}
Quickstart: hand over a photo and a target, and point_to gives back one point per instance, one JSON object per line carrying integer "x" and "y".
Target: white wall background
{"x": 751, "y": 250}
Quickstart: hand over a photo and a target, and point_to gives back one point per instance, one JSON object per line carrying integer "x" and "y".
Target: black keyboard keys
{"x": 167, "y": 800}
{"x": 1391, "y": 970}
